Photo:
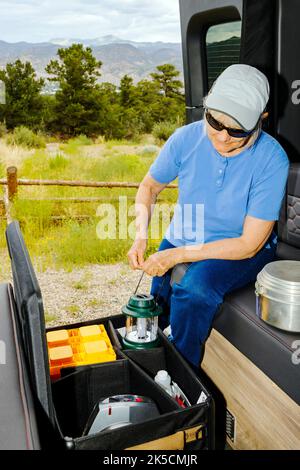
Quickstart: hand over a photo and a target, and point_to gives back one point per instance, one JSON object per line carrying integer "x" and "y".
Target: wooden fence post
{"x": 12, "y": 182}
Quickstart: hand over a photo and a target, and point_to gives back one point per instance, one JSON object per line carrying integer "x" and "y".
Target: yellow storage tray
{"x": 77, "y": 347}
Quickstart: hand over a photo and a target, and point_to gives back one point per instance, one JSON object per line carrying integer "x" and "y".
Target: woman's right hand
{"x": 136, "y": 253}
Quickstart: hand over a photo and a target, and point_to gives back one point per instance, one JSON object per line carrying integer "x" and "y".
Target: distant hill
{"x": 119, "y": 57}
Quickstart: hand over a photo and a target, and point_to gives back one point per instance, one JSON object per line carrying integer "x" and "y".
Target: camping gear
{"x": 59, "y": 410}
{"x": 119, "y": 411}
{"x": 142, "y": 314}
{"x": 163, "y": 379}
{"x": 78, "y": 346}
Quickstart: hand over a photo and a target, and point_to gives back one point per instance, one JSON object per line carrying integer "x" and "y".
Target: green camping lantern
{"x": 142, "y": 314}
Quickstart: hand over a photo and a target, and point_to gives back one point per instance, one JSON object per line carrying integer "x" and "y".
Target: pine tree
{"x": 127, "y": 92}
{"x": 166, "y": 79}
{"x": 78, "y": 100}
{"x": 24, "y": 103}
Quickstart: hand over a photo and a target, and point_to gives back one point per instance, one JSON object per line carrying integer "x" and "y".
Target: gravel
{"x": 92, "y": 292}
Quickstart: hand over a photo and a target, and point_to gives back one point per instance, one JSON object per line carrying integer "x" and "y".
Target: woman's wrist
{"x": 180, "y": 254}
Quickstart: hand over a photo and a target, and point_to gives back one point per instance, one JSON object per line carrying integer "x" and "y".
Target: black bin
{"x": 67, "y": 403}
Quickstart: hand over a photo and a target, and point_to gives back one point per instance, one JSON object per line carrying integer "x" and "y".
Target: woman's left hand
{"x": 159, "y": 263}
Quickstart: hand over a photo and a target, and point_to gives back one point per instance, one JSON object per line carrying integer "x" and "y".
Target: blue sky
{"x": 137, "y": 20}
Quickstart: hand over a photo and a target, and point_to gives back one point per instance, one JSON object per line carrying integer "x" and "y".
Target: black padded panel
{"x": 289, "y": 222}
{"x": 293, "y": 217}
{"x": 18, "y": 428}
{"x": 30, "y": 316}
{"x": 270, "y": 349}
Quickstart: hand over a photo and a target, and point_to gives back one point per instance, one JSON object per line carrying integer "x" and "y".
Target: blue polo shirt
{"x": 215, "y": 192}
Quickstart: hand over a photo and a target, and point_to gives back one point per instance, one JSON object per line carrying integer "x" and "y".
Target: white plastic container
{"x": 163, "y": 379}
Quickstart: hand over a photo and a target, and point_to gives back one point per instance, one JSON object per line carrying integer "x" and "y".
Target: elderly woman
{"x": 235, "y": 172}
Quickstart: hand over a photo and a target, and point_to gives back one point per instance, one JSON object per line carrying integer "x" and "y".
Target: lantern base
{"x": 135, "y": 345}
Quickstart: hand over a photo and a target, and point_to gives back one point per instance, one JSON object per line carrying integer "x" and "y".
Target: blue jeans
{"x": 190, "y": 305}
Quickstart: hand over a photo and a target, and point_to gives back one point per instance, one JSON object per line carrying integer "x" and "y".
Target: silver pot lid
{"x": 281, "y": 280}
{"x": 287, "y": 271}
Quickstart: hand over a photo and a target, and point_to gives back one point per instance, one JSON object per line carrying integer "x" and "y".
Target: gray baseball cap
{"x": 242, "y": 92}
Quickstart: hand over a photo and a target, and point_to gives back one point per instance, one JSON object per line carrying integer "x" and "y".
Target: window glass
{"x": 223, "y": 44}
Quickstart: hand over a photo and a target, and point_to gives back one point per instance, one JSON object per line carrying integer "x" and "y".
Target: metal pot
{"x": 278, "y": 295}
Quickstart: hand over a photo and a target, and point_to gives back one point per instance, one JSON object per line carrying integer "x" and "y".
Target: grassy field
{"x": 70, "y": 243}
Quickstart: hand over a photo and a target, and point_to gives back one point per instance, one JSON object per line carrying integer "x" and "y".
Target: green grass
{"x": 74, "y": 245}
{"x": 70, "y": 243}
{"x": 75, "y": 166}
{"x": 115, "y": 142}
{"x": 59, "y": 162}
{"x": 49, "y": 317}
{"x": 79, "y": 285}
{"x": 95, "y": 303}
{"x": 80, "y": 140}
{"x": 82, "y": 284}
{"x": 2, "y": 169}
{"x": 73, "y": 145}
{"x": 72, "y": 309}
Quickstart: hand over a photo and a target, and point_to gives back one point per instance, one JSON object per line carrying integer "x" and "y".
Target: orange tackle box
{"x": 78, "y": 347}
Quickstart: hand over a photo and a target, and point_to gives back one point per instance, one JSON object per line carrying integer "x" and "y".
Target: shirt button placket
{"x": 221, "y": 173}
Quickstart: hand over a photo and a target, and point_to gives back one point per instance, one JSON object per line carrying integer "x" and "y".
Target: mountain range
{"x": 118, "y": 56}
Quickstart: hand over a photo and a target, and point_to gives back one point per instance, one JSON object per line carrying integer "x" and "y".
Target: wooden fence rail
{"x": 11, "y": 183}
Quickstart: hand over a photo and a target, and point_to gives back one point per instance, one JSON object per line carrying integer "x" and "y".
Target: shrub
{"x": 100, "y": 140}
{"x": 149, "y": 150}
{"x": 81, "y": 140}
{"x": 26, "y": 138}
{"x": 58, "y": 162}
{"x": 163, "y": 130}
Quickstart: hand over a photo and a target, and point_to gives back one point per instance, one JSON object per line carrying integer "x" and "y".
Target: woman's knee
{"x": 199, "y": 284}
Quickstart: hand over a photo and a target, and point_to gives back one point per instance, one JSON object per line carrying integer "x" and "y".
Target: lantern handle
{"x": 159, "y": 290}
{"x": 138, "y": 285}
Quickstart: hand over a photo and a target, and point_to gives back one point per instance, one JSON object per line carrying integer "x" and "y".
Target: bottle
{"x": 163, "y": 379}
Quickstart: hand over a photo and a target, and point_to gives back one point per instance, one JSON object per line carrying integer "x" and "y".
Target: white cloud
{"x": 139, "y": 20}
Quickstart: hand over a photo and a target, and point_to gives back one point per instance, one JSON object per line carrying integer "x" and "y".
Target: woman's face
{"x": 221, "y": 140}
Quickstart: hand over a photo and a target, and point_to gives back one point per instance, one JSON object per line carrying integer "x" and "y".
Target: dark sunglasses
{"x": 218, "y": 126}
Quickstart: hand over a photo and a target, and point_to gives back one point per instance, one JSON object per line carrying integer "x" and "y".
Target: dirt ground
{"x": 91, "y": 292}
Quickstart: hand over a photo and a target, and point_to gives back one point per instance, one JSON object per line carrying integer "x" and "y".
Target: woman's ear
{"x": 265, "y": 115}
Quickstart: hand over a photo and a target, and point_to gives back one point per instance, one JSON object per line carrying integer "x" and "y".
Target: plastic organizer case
{"x": 78, "y": 346}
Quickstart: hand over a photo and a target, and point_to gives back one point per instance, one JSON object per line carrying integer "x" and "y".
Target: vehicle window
{"x": 223, "y": 43}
